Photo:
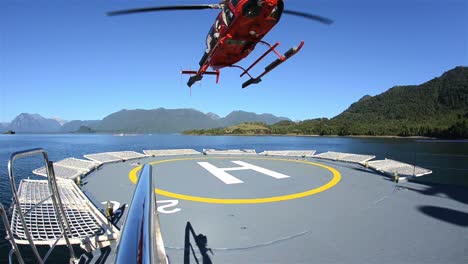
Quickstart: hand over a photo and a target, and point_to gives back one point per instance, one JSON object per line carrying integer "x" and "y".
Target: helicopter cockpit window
{"x": 210, "y": 39}
{"x": 275, "y": 13}
{"x": 251, "y": 9}
{"x": 228, "y": 16}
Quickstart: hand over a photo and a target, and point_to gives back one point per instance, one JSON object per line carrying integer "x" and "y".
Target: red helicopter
{"x": 238, "y": 28}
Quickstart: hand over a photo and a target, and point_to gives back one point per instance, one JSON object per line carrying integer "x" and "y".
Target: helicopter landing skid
{"x": 197, "y": 76}
{"x": 272, "y": 65}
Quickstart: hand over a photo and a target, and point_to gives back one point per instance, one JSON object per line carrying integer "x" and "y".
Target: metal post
{"x": 10, "y": 234}
{"x": 58, "y": 206}
{"x": 16, "y": 198}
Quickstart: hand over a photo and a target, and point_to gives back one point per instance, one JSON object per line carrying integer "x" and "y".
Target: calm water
{"x": 447, "y": 159}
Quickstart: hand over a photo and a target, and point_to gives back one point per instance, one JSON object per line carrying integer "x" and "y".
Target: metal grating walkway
{"x": 289, "y": 153}
{"x": 346, "y": 157}
{"x": 126, "y": 155}
{"x": 79, "y": 164}
{"x": 61, "y": 172}
{"x": 69, "y": 168}
{"x": 229, "y": 152}
{"x": 171, "y": 152}
{"x": 102, "y": 158}
{"x": 85, "y": 220}
{"x": 391, "y": 167}
{"x": 108, "y": 157}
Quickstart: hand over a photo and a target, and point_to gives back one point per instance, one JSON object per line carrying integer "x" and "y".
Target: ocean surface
{"x": 448, "y": 159}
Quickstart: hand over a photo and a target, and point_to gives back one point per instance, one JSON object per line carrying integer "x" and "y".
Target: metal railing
{"x": 14, "y": 246}
{"x": 56, "y": 200}
{"x": 141, "y": 240}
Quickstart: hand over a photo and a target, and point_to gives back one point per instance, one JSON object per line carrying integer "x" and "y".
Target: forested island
{"x": 437, "y": 108}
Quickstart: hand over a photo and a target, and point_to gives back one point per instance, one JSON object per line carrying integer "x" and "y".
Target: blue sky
{"x": 68, "y": 59}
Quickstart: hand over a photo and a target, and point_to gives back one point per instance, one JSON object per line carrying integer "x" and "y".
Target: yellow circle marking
{"x": 334, "y": 181}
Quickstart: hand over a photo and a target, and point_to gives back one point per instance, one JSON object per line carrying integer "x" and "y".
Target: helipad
{"x": 309, "y": 176}
{"x": 264, "y": 209}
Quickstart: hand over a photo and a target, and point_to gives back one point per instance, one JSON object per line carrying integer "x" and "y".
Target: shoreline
{"x": 243, "y": 135}
{"x": 299, "y": 135}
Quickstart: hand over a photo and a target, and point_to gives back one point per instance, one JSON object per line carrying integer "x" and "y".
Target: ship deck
{"x": 273, "y": 209}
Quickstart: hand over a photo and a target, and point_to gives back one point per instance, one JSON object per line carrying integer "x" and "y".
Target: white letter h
{"x": 221, "y": 173}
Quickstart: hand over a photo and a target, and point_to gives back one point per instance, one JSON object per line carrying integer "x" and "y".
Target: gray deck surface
{"x": 365, "y": 218}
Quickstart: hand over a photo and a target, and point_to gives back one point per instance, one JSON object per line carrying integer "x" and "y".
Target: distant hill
{"x": 84, "y": 130}
{"x": 33, "y": 123}
{"x": 237, "y": 117}
{"x": 74, "y": 125}
{"x": 248, "y": 128}
{"x": 213, "y": 116}
{"x": 159, "y": 120}
{"x": 163, "y": 120}
{"x": 60, "y": 120}
{"x": 155, "y": 121}
{"x": 424, "y": 109}
{"x": 437, "y": 108}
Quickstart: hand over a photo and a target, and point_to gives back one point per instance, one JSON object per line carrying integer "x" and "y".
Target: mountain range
{"x": 158, "y": 120}
{"x": 28, "y": 123}
{"x": 436, "y": 108}
{"x": 411, "y": 110}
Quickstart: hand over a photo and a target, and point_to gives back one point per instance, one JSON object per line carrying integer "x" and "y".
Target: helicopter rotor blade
{"x": 320, "y": 19}
{"x": 164, "y": 8}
